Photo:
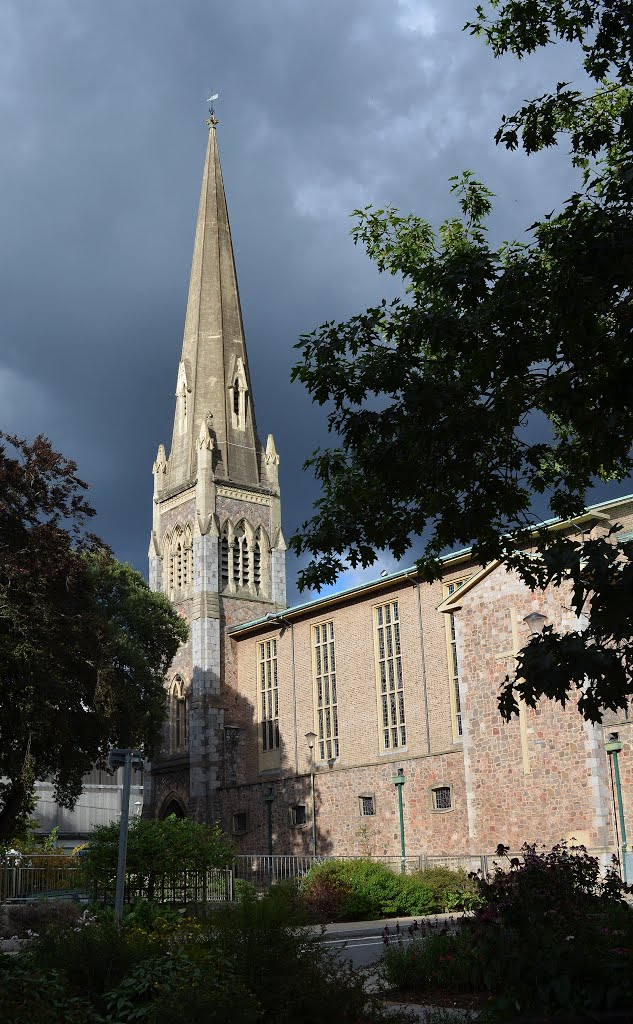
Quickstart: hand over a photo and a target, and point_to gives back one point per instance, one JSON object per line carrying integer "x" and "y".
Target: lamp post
{"x": 311, "y": 739}
{"x": 613, "y": 748}
{"x": 399, "y": 781}
{"x": 127, "y": 759}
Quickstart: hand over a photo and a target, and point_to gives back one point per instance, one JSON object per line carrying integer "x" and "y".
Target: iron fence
{"x": 37, "y": 876}
{"x": 266, "y": 870}
{"x": 41, "y": 876}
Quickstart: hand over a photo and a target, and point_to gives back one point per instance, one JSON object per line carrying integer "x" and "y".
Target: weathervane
{"x": 212, "y": 118}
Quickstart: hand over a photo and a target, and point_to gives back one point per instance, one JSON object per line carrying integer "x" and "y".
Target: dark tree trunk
{"x": 15, "y": 802}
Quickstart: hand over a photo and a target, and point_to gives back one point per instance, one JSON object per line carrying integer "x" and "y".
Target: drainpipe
{"x": 613, "y": 748}
{"x": 416, "y": 584}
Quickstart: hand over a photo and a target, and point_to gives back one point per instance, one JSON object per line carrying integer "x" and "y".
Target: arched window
{"x": 178, "y": 716}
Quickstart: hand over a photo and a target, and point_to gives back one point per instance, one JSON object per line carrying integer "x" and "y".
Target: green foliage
{"x": 243, "y": 889}
{"x": 364, "y": 890}
{"x": 84, "y": 643}
{"x": 156, "y": 850}
{"x": 551, "y": 935}
{"x": 451, "y": 890}
{"x": 185, "y": 988}
{"x": 36, "y": 996}
{"x": 432, "y": 395}
{"x": 248, "y": 962}
{"x": 93, "y": 958}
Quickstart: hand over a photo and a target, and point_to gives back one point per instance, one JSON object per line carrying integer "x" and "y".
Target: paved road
{"x": 363, "y": 951}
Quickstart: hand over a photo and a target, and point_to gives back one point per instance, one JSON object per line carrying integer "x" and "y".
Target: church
{"x": 301, "y": 729}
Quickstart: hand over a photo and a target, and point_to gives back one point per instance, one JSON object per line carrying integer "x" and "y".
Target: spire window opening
{"x": 257, "y": 567}
{"x": 236, "y": 562}
{"x": 245, "y": 565}
{"x": 236, "y": 397}
{"x": 179, "y": 567}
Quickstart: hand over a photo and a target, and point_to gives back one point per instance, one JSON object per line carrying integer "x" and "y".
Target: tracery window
{"x": 393, "y": 729}
{"x": 179, "y": 557}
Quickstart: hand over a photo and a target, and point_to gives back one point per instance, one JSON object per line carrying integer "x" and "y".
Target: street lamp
{"x": 399, "y": 780}
{"x": 535, "y": 621}
{"x": 613, "y": 748}
{"x": 310, "y": 740}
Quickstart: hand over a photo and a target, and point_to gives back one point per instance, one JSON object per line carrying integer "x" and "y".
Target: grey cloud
{"x": 323, "y": 108}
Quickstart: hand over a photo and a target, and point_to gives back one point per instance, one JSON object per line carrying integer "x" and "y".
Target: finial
{"x": 212, "y": 121}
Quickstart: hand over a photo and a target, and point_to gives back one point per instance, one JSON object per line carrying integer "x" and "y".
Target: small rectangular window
{"x": 367, "y": 806}
{"x": 298, "y": 815}
{"x": 442, "y": 798}
{"x": 240, "y": 823}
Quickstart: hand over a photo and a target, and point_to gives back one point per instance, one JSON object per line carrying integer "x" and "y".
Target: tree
{"x": 84, "y": 643}
{"x": 433, "y": 396}
{"x": 156, "y": 850}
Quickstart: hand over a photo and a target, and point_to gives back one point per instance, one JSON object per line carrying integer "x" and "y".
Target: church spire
{"x": 213, "y": 383}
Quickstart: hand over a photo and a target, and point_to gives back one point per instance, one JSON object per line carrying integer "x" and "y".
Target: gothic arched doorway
{"x": 172, "y": 806}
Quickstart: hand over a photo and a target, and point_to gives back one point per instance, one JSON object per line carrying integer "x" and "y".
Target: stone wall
{"x": 341, "y": 830}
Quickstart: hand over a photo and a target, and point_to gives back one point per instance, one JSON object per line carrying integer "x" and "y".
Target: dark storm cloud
{"x": 323, "y": 108}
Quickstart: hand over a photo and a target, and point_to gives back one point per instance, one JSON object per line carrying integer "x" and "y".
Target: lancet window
{"x": 178, "y": 560}
{"x": 178, "y": 716}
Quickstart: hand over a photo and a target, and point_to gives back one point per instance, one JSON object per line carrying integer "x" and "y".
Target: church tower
{"x": 216, "y": 548}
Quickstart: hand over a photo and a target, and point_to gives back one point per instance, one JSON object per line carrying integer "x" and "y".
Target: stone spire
{"x": 213, "y": 380}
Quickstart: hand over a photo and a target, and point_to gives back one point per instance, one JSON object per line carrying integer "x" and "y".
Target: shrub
{"x": 245, "y": 963}
{"x": 95, "y": 956}
{"x": 436, "y": 961}
{"x": 156, "y": 850}
{"x": 242, "y": 888}
{"x": 451, "y": 890}
{"x": 290, "y": 972}
{"x": 34, "y": 996}
{"x": 365, "y": 890}
{"x": 552, "y": 935}
{"x": 23, "y": 918}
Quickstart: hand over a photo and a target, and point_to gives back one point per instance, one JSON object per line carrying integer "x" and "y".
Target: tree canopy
{"x": 84, "y": 643}
{"x": 434, "y": 396}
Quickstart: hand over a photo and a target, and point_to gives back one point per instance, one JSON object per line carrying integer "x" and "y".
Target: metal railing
{"x": 41, "y": 876}
{"x": 266, "y": 870}
{"x": 37, "y": 876}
